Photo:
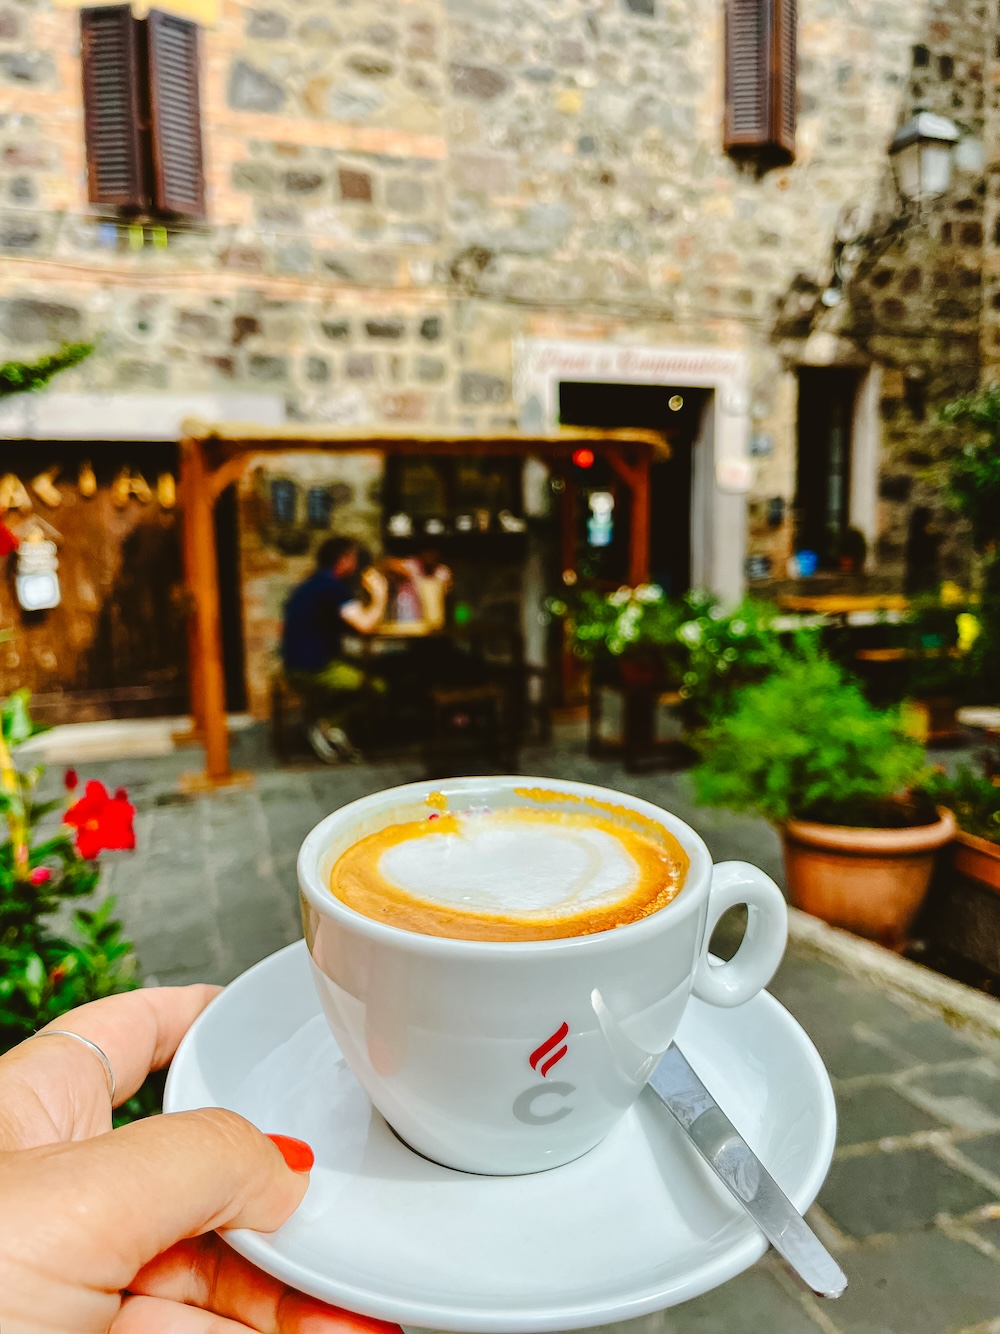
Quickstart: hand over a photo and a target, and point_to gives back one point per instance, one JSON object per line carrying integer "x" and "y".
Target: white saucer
{"x": 637, "y": 1224}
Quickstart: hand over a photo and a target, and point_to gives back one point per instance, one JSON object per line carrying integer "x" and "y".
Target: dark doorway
{"x": 675, "y": 411}
{"x": 823, "y": 478}
{"x": 227, "y": 555}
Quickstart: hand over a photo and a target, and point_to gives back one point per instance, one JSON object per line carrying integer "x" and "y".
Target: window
{"x": 142, "y": 113}
{"x": 760, "y": 78}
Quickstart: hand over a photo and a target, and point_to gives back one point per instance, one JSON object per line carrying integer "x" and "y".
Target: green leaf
{"x": 17, "y": 725}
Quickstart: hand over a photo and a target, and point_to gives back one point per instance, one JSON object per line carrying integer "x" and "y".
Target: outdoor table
{"x": 848, "y": 608}
{"x": 502, "y": 676}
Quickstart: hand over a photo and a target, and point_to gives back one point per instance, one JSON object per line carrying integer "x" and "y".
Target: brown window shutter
{"x": 113, "y": 108}
{"x": 785, "y": 75}
{"x": 761, "y": 77}
{"x": 175, "y": 107}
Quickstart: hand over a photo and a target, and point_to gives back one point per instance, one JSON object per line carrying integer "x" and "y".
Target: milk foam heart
{"x": 506, "y": 866}
{"x": 519, "y": 873}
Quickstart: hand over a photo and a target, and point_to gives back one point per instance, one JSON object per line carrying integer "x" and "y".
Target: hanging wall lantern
{"x": 922, "y": 152}
{"x": 36, "y": 581}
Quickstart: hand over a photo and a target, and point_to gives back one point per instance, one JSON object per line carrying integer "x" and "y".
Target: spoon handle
{"x": 719, "y": 1142}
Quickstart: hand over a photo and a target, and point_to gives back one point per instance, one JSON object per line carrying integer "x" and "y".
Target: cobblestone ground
{"x": 912, "y": 1203}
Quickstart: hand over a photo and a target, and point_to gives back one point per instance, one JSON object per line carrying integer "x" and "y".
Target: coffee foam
{"x": 505, "y": 863}
{"x": 522, "y": 873}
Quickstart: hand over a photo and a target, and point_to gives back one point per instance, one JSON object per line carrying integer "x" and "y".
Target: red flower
{"x": 41, "y": 875}
{"x": 101, "y": 821}
{"x": 72, "y": 780}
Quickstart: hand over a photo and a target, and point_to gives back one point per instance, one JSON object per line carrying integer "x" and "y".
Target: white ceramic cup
{"x": 503, "y": 1057}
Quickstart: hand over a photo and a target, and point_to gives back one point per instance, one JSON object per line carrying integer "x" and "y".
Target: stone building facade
{"x": 434, "y": 213}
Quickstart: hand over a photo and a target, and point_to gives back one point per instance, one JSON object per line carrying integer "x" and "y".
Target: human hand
{"x": 113, "y": 1230}
{"x": 375, "y": 583}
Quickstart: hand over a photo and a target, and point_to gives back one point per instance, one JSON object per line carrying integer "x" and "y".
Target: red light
{"x": 583, "y": 458}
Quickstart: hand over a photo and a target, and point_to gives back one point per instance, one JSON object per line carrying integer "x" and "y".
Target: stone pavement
{"x": 912, "y": 1203}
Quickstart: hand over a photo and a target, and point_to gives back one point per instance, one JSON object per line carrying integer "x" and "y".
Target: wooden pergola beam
{"x": 214, "y": 456}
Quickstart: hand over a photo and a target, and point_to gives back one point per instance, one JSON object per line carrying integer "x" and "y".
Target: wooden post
{"x": 195, "y": 684}
{"x": 201, "y": 561}
{"x": 638, "y": 554}
{"x": 570, "y": 667}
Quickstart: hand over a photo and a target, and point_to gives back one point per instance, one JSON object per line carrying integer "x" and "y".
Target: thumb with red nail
{"x": 116, "y": 1231}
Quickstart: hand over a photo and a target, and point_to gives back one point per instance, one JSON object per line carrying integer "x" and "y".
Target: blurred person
{"x": 339, "y": 595}
{"x": 424, "y": 583}
{"x": 108, "y": 1231}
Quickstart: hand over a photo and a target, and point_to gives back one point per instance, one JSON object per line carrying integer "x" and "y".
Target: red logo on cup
{"x": 540, "y": 1053}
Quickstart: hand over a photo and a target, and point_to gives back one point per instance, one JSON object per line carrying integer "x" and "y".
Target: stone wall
{"x": 912, "y": 302}
{"x": 397, "y": 192}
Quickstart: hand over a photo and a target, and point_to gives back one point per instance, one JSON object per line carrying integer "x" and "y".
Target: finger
{"x": 57, "y": 1089}
{"x": 138, "y": 1031}
{"x": 148, "y": 1315}
{"x": 148, "y": 1185}
{"x": 205, "y": 1272}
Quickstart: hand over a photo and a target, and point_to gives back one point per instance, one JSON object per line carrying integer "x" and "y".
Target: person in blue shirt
{"x": 317, "y": 614}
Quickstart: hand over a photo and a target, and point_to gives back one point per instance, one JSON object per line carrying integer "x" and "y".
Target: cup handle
{"x": 753, "y": 965}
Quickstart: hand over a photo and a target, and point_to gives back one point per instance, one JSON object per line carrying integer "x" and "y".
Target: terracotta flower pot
{"x": 978, "y": 858}
{"x": 871, "y": 881}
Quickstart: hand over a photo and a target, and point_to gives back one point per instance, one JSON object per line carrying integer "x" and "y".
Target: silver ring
{"x": 65, "y": 1033}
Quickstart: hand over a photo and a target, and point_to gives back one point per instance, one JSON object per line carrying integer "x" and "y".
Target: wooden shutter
{"x": 114, "y": 119}
{"x": 761, "y": 76}
{"x": 785, "y": 74}
{"x": 175, "y": 115}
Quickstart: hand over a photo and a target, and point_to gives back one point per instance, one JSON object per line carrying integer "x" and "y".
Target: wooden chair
{"x": 470, "y": 730}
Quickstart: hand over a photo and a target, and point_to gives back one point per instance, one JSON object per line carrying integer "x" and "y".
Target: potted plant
{"x": 972, "y": 483}
{"x": 838, "y": 777}
{"x": 691, "y": 643}
{"x": 959, "y": 928}
{"x": 975, "y": 801}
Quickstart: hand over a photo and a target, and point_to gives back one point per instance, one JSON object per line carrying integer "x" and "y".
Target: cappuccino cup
{"x": 503, "y": 961}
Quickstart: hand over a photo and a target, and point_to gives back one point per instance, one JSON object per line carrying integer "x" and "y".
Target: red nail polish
{"x": 296, "y": 1152}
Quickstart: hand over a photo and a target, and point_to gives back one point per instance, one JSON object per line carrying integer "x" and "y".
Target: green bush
{"x": 973, "y": 486}
{"x": 805, "y": 744}
{"x": 45, "y": 968}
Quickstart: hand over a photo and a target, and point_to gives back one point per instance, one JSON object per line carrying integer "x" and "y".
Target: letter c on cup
{"x": 524, "y": 1108}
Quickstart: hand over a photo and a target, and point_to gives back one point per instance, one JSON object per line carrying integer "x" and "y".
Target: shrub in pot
{"x": 975, "y": 801}
{"x": 806, "y": 749}
{"x": 972, "y": 485}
